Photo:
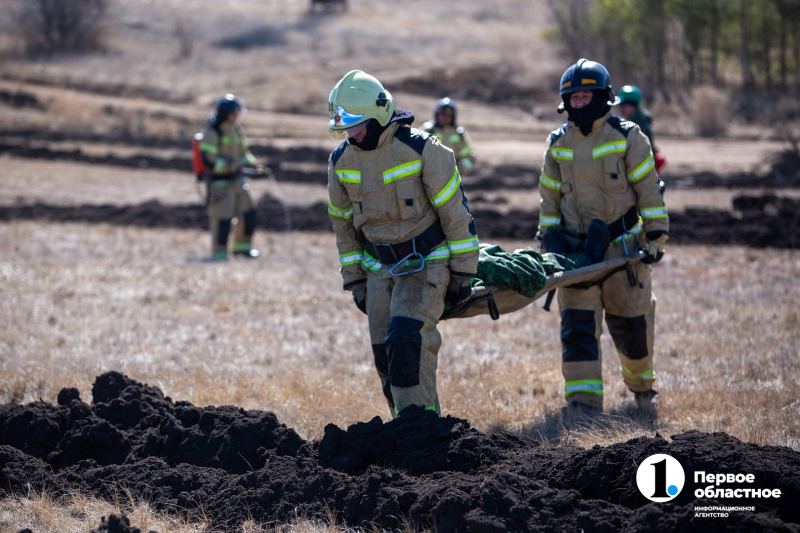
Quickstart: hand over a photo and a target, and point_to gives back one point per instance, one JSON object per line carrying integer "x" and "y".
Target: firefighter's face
{"x": 627, "y": 110}
{"x": 444, "y": 117}
{"x": 580, "y": 99}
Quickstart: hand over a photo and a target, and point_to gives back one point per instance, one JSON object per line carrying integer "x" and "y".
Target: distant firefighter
{"x": 225, "y": 153}
{"x": 444, "y": 127}
{"x": 630, "y": 108}
{"x": 598, "y": 166}
{"x": 329, "y": 5}
{"x": 407, "y": 242}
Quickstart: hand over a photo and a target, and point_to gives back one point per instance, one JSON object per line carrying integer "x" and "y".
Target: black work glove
{"x": 655, "y": 247}
{"x": 459, "y": 289}
{"x": 359, "y": 290}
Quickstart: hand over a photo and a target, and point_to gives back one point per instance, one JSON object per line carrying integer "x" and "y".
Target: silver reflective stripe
{"x": 339, "y": 213}
{"x": 464, "y": 246}
{"x": 654, "y": 212}
{"x": 642, "y": 170}
{"x": 352, "y": 258}
{"x": 349, "y": 176}
{"x": 550, "y": 183}
{"x": 545, "y": 220}
{"x": 401, "y": 171}
{"x": 615, "y": 147}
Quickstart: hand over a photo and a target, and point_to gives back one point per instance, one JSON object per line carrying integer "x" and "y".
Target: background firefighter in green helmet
{"x": 598, "y": 166}
{"x": 225, "y": 152}
{"x": 406, "y": 240}
{"x": 444, "y": 127}
{"x": 631, "y": 108}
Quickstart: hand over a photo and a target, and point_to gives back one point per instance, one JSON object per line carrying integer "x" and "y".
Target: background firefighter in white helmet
{"x": 407, "y": 242}
{"x": 225, "y": 151}
{"x": 444, "y": 127}
{"x": 598, "y": 166}
{"x": 631, "y": 108}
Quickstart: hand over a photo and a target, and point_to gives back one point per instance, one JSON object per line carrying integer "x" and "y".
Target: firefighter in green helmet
{"x": 406, "y": 240}
{"x": 445, "y": 127}
{"x": 599, "y": 166}
{"x": 631, "y": 108}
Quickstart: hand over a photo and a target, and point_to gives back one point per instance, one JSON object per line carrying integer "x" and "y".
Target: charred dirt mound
{"x": 432, "y": 472}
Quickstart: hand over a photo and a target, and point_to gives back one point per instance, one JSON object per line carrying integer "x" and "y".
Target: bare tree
{"x": 61, "y": 25}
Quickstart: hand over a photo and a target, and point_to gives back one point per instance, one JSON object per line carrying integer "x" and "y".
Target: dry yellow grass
{"x": 280, "y": 334}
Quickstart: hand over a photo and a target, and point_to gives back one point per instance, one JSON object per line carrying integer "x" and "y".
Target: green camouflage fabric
{"x": 525, "y": 270}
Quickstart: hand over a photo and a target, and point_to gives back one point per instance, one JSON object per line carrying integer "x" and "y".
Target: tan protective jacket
{"x": 602, "y": 175}
{"x": 226, "y": 150}
{"x": 457, "y": 139}
{"x": 394, "y": 193}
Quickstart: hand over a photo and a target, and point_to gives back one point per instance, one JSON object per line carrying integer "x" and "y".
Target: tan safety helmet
{"x": 357, "y": 98}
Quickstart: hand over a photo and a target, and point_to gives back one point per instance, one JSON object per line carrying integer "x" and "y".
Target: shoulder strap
{"x": 621, "y": 125}
{"x": 557, "y": 134}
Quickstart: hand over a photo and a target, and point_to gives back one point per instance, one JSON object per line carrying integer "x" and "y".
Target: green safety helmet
{"x": 357, "y": 98}
{"x": 630, "y": 95}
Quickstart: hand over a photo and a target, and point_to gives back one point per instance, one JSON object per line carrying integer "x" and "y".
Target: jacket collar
{"x": 597, "y": 125}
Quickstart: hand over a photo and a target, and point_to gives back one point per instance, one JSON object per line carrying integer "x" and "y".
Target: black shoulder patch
{"x": 557, "y": 134}
{"x": 621, "y": 125}
{"x": 337, "y": 153}
{"x": 412, "y": 137}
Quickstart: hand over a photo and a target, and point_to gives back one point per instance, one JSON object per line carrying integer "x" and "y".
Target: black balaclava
{"x": 375, "y": 130}
{"x": 585, "y": 116}
{"x": 370, "y": 140}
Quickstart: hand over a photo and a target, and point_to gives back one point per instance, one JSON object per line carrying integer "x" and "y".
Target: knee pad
{"x": 250, "y": 219}
{"x": 223, "y": 229}
{"x": 629, "y": 334}
{"x": 382, "y": 365}
{"x": 404, "y": 349}
{"x": 577, "y": 336}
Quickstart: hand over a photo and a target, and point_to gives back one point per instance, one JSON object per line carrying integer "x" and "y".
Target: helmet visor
{"x": 341, "y": 119}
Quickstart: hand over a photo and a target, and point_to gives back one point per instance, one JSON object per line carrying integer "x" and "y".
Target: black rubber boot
{"x": 556, "y": 242}
{"x": 597, "y": 241}
{"x": 646, "y": 399}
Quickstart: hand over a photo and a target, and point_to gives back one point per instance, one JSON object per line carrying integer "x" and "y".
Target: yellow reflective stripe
{"x": 219, "y": 165}
{"x": 448, "y": 191}
{"x": 249, "y": 159}
{"x": 547, "y": 221}
{"x": 646, "y": 375}
{"x": 591, "y": 386}
{"x": 210, "y": 148}
{"x": 225, "y": 139}
{"x": 549, "y": 183}
{"x": 442, "y": 252}
{"x": 455, "y": 138}
{"x": 339, "y": 213}
{"x": 654, "y": 212}
{"x": 467, "y": 150}
{"x": 370, "y": 263}
{"x": 562, "y": 153}
{"x": 349, "y": 176}
{"x": 351, "y": 258}
{"x": 241, "y": 247}
{"x": 464, "y": 246}
{"x": 616, "y": 147}
{"x": 642, "y": 170}
{"x": 636, "y": 230}
{"x": 401, "y": 171}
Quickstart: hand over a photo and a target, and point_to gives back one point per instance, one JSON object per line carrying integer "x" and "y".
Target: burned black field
{"x": 231, "y": 465}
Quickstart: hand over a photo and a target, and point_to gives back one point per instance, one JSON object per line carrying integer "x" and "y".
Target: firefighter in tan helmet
{"x": 600, "y": 166}
{"x": 225, "y": 153}
{"x": 407, "y": 242}
{"x": 444, "y": 127}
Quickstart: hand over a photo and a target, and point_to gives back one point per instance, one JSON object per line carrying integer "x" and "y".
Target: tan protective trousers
{"x": 403, "y": 312}
{"x": 228, "y": 199}
{"x": 630, "y": 316}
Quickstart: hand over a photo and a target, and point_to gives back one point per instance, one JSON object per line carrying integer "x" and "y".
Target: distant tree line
{"x": 751, "y": 47}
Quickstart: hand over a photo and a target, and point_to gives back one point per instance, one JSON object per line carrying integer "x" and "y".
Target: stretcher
{"x": 496, "y": 301}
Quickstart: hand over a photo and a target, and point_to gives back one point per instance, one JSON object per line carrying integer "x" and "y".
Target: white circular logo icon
{"x": 660, "y": 478}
